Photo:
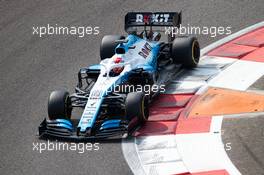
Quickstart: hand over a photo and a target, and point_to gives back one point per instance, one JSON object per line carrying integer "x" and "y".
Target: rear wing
{"x": 159, "y": 19}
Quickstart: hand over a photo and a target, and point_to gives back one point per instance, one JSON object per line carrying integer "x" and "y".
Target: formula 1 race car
{"x": 115, "y": 94}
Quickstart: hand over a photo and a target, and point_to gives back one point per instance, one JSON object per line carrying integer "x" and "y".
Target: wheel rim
{"x": 195, "y": 52}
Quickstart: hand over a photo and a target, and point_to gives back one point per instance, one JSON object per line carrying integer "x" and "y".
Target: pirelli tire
{"x": 59, "y": 105}
{"x": 186, "y": 50}
{"x": 137, "y": 106}
{"x": 108, "y": 45}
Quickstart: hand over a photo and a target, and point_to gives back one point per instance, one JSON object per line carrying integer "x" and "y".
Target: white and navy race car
{"x": 116, "y": 93}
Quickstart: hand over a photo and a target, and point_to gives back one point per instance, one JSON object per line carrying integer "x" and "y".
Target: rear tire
{"x": 186, "y": 50}
{"x": 108, "y": 45}
{"x": 59, "y": 105}
{"x": 137, "y": 106}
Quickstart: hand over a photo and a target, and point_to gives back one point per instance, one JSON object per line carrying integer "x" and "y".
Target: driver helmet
{"x": 118, "y": 60}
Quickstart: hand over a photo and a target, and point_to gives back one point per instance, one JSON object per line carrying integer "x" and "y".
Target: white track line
{"x": 239, "y": 76}
{"x": 131, "y": 156}
{"x": 159, "y": 155}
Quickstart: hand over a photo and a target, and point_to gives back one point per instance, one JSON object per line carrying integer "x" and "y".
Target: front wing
{"x": 54, "y": 130}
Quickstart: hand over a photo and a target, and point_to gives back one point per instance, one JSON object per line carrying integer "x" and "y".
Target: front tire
{"x": 137, "y": 106}
{"x": 59, "y": 105}
{"x": 108, "y": 45}
{"x": 186, "y": 50}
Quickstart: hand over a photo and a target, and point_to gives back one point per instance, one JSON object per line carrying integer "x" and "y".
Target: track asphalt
{"x": 31, "y": 67}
